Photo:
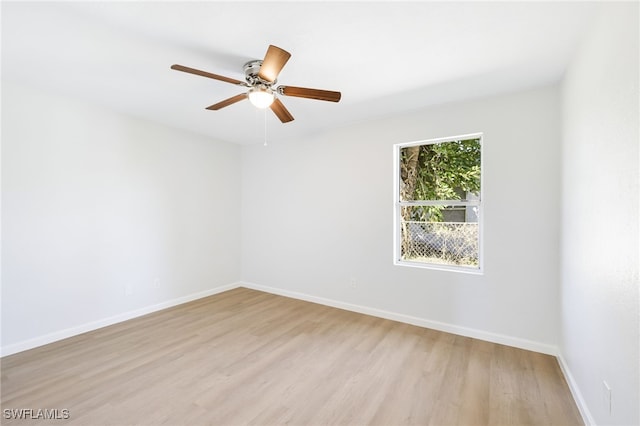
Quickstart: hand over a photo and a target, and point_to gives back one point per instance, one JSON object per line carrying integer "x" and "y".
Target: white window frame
{"x": 397, "y": 205}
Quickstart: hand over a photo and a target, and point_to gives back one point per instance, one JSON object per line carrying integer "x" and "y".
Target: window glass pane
{"x": 440, "y": 171}
{"x": 446, "y": 235}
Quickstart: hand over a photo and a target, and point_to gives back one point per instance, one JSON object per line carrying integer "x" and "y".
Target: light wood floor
{"x": 247, "y": 357}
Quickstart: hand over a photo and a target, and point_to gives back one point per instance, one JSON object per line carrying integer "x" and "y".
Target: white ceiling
{"x": 385, "y": 57}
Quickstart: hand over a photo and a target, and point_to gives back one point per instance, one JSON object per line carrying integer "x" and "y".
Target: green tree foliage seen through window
{"x": 439, "y": 171}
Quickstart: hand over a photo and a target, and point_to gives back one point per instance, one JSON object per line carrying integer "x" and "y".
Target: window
{"x": 437, "y": 199}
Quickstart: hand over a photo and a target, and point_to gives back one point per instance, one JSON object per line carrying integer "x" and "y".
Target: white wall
{"x": 94, "y": 203}
{"x": 600, "y": 215}
{"x": 318, "y": 212}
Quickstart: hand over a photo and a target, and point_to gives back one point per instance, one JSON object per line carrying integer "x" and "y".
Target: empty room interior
{"x": 349, "y": 213}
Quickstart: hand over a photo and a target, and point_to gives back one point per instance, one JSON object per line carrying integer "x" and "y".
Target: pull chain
{"x": 265, "y": 127}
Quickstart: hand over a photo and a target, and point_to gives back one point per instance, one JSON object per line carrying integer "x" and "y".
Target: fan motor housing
{"x": 251, "y": 70}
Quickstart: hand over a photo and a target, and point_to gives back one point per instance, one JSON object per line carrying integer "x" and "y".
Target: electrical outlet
{"x": 606, "y": 396}
{"x": 156, "y": 283}
{"x": 128, "y": 290}
{"x": 352, "y": 282}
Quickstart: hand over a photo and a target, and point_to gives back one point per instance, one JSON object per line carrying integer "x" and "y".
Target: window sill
{"x": 437, "y": 267}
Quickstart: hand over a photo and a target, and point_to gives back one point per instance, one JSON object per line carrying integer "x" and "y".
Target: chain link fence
{"x": 450, "y": 243}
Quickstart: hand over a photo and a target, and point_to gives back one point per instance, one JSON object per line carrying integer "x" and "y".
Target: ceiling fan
{"x": 261, "y": 77}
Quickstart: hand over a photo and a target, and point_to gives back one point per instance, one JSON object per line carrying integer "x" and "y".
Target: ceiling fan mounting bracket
{"x": 251, "y": 70}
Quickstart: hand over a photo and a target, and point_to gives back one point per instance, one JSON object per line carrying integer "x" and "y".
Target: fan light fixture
{"x": 261, "y": 97}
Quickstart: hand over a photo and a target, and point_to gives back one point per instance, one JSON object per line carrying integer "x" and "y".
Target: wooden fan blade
{"x": 303, "y": 92}
{"x": 206, "y": 74}
{"x": 273, "y": 63}
{"x": 279, "y": 110}
{"x": 227, "y": 102}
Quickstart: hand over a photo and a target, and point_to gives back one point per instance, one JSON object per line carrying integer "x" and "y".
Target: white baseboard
{"x": 421, "y": 322}
{"x": 575, "y": 391}
{"x": 94, "y": 325}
